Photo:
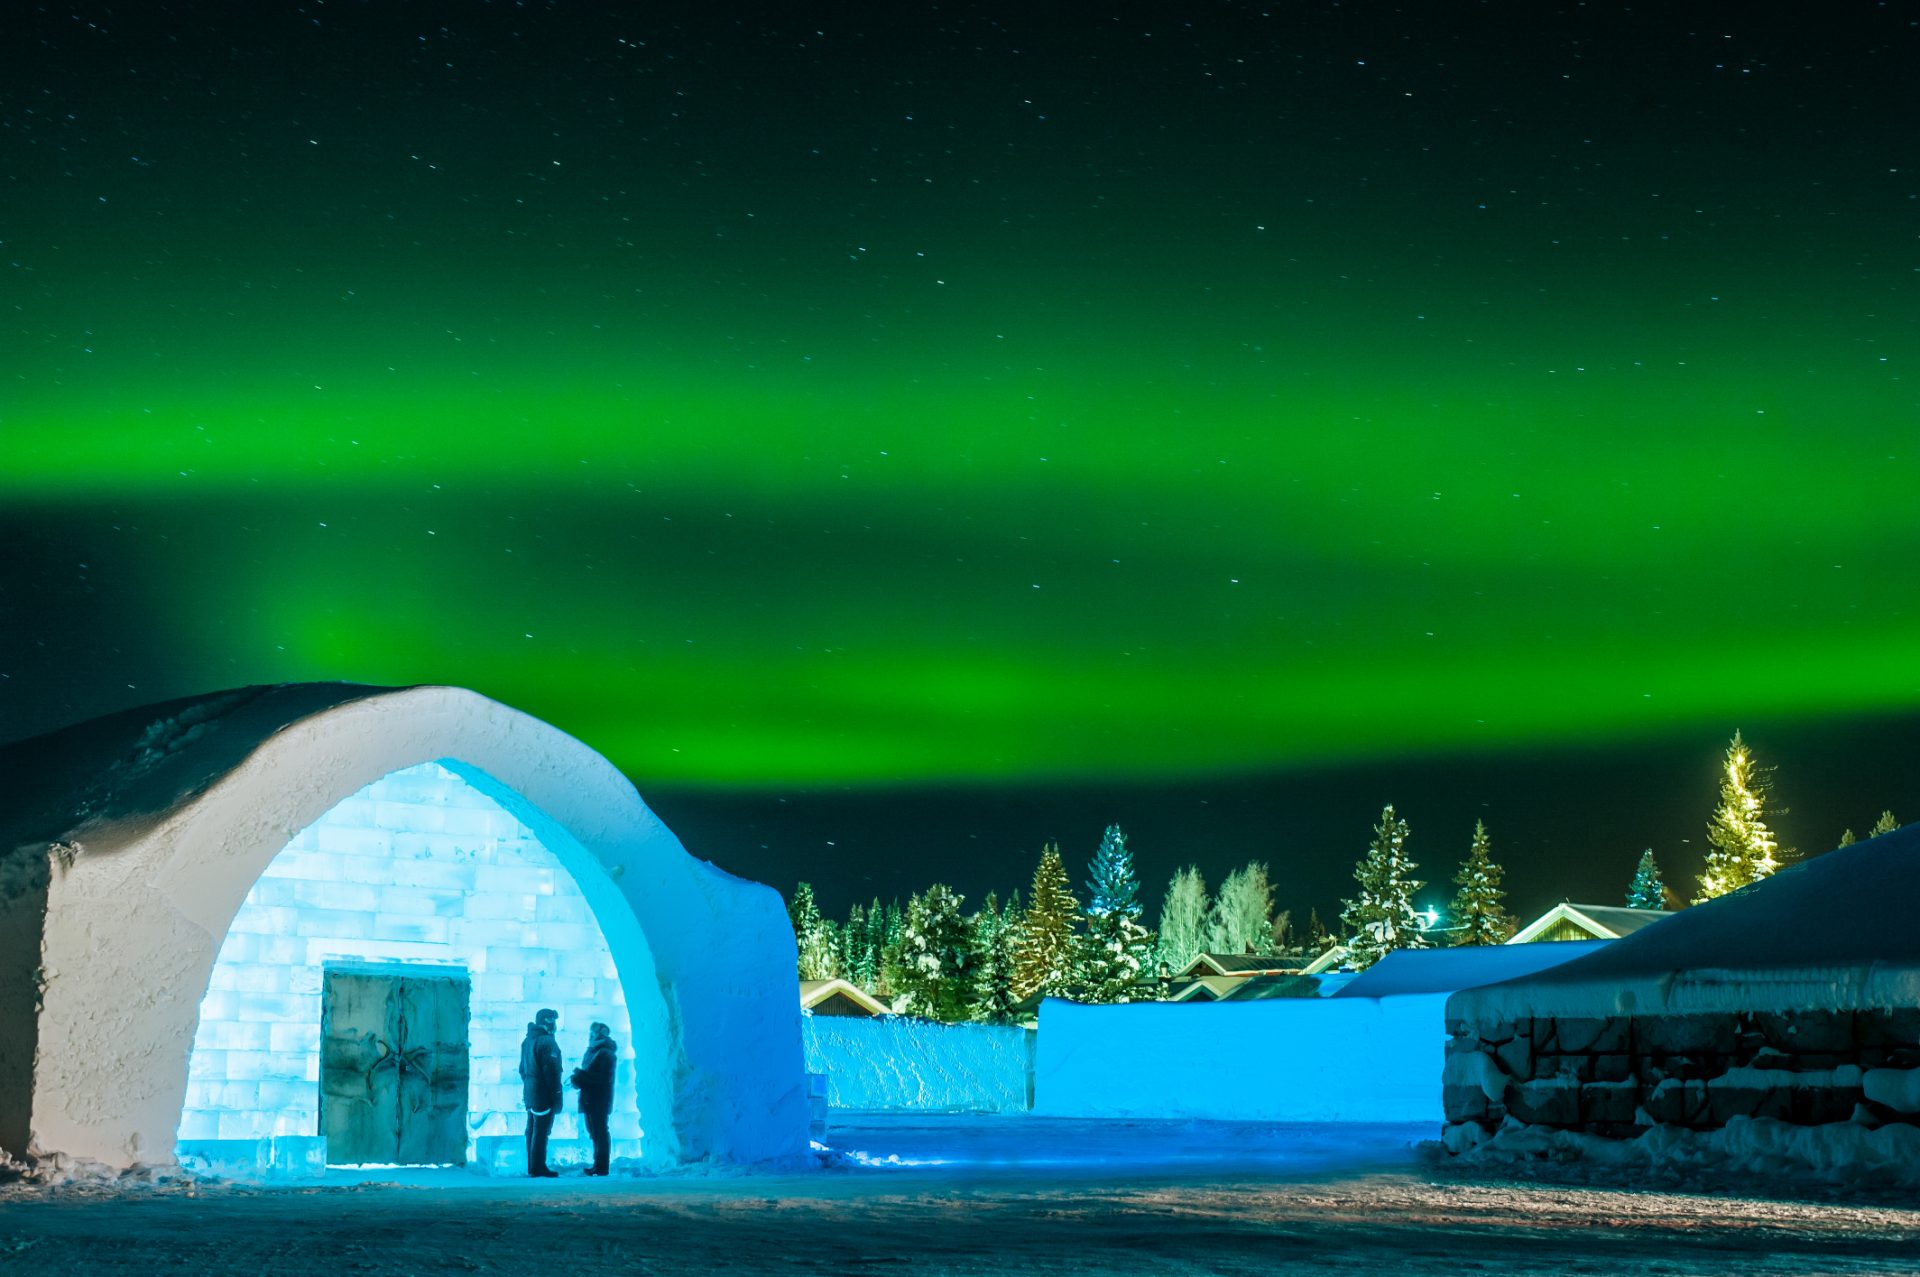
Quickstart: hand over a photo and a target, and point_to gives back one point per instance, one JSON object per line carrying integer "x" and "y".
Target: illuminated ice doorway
{"x": 433, "y": 872}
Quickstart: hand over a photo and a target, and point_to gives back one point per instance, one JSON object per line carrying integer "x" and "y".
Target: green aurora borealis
{"x": 963, "y": 401}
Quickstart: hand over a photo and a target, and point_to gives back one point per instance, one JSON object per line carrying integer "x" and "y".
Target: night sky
{"x": 899, "y": 437}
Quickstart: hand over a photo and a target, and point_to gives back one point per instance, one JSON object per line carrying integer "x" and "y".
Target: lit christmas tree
{"x": 1742, "y": 848}
{"x": 1382, "y": 918}
{"x": 1476, "y": 906}
{"x": 1647, "y": 891}
{"x": 1043, "y": 955}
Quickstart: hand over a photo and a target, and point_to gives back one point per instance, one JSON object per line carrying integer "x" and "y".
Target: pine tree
{"x": 892, "y": 934}
{"x": 1241, "y": 920}
{"x": 1847, "y": 838}
{"x": 994, "y": 930}
{"x": 1742, "y": 848}
{"x": 1381, "y": 918}
{"x": 1477, "y": 911}
{"x": 1647, "y": 891}
{"x": 813, "y": 936}
{"x": 1281, "y": 932}
{"x": 1885, "y": 825}
{"x": 1319, "y": 939}
{"x": 936, "y": 957}
{"x": 1044, "y": 955}
{"x": 1111, "y": 882}
{"x": 803, "y": 912}
{"x": 856, "y": 953}
{"x": 1114, "y": 951}
{"x": 1183, "y": 920}
{"x": 1113, "y": 958}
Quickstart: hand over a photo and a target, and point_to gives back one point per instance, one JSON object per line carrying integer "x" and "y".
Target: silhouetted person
{"x": 540, "y": 1087}
{"x": 594, "y": 1077}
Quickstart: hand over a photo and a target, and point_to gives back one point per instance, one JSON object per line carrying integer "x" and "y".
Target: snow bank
{"x": 1343, "y": 1059}
{"x": 1833, "y": 1151}
{"x": 895, "y": 1062}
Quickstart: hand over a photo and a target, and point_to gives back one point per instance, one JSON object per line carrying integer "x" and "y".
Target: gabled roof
{"x": 1333, "y": 957}
{"x": 1260, "y": 988}
{"x": 1603, "y": 922}
{"x": 1238, "y": 964}
{"x": 814, "y": 992}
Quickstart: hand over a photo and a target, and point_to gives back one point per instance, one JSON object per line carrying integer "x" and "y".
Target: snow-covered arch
{"x": 150, "y": 861}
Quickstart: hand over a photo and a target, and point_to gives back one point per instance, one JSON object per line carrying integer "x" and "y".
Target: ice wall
{"x": 417, "y": 868}
{"x": 1282, "y": 1060}
{"x": 899, "y": 1063}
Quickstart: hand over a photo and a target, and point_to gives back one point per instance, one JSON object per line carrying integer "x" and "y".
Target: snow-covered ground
{"x": 979, "y": 1194}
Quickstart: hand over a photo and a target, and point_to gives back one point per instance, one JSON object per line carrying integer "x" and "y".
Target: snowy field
{"x": 979, "y": 1194}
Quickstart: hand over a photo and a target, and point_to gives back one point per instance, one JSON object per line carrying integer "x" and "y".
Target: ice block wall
{"x": 418, "y": 867}
{"x": 1281, "y": 1060}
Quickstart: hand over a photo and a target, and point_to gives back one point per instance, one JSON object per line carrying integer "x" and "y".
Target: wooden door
{"x": 393, "y": 1068}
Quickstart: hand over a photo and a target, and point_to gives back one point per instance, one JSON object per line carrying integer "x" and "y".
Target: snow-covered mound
{"x": 128, "y": 844}
{"x": 902, "y": 1064}
{"x": 1832, "y": 933}
{"x": 1776, "y": 1029}
{"x": 1407, "y": 971}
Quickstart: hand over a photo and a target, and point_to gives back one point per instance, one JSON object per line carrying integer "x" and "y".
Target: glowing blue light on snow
{"x": 420, "y": 867}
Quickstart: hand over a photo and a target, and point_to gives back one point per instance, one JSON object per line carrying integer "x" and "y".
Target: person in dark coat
{"x": 594, "y": 1078}
{"x": 540, "y": 1088}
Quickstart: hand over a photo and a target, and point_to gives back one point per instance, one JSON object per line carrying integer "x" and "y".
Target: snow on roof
{"x": 814, "y": 992}
{"x": 1607, "y": 922}
{"x": 1833, "y": 932}
{"x": 1261, "y": 988}
{"x": 110, "y": 778}
{"x": 1239, "y": 964}
{"x": 1463, "y": 967}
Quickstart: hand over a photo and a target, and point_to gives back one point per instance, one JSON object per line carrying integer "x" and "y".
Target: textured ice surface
{"x": 898, "y": 1063}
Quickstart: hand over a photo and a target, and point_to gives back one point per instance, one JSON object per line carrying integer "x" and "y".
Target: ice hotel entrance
{"x": 368, "y": 1002}
{"x": 285, "y": 927}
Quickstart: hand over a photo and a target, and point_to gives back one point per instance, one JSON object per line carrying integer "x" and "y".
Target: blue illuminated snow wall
{"x": 418, "y": 867}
